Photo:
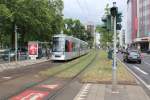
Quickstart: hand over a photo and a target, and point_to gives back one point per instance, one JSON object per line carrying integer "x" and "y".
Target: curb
{"x": 7, "y": 66}
{"x": 137, "y": 77}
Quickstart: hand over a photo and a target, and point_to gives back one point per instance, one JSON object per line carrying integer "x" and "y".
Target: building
{"x": 129, "y": 22}
{"x": 138, "y": 23}
{"x": 122, "y": 38}
{"x": 143, "y": 35}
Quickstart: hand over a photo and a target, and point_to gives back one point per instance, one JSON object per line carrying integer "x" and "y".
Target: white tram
{"x": 67, "y": 47}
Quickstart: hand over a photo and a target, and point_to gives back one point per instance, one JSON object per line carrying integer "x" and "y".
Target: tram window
{"x": 58, "y": 44}
{"x": 67, "y": 46}
{"x": 73, "y": 46}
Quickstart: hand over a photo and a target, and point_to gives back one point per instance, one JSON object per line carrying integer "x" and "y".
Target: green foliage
{"x": 106, "y": 36}
{"x": 107, "y": 9}
{"x": 77, "y": 29}
{"x": 36, "y": 19}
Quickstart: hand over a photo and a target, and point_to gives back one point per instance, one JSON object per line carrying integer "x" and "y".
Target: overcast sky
{"x": 90, "y": 11}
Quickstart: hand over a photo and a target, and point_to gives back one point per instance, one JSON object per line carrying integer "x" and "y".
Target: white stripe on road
{"x": 145, "y": 73}
{"x": 146, "y": 85}
{"x": 83, "y": 92}
{"x": 146, "y": 63}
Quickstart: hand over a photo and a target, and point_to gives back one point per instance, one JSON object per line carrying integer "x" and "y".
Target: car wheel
{"x": 127, "y": 60}
{"x": 124, "y": 60}
{"x": 139, "y": 62}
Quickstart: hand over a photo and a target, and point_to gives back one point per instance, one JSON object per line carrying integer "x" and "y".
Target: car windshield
{"x": 58, "y": 44}
{"x": 134, "y": 53}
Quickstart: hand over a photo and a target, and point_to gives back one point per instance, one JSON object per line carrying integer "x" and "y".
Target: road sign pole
{"x": 114, "y": 68}
{"x": 114, "y": 12}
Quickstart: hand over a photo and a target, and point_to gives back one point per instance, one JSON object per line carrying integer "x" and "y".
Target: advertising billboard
{"x": 33, "y": 50}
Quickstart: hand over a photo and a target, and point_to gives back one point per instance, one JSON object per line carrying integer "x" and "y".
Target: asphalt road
{"x": 141, "y": 71}
{"x": 11, "y": 81}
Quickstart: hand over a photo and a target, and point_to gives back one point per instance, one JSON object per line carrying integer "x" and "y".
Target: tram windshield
{"x": 58, "y": 44}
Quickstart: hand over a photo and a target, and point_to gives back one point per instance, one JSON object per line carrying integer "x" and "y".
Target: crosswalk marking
{"x": 83, "y": 92}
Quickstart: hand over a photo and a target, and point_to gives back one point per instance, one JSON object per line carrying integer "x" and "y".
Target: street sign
{"x": 33, "y": 50}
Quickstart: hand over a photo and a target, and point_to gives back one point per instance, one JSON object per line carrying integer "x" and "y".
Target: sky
{"x": 91, "y": 11}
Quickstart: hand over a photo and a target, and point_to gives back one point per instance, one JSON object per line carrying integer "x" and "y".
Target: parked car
{"x": 22, "y": 54}
{"x": 132, "y": 55}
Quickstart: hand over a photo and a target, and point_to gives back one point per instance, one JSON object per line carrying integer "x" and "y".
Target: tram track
{"x": 51, "y": 97}
{"x": 20, "y": 72}
{"x": 50, "y": 77}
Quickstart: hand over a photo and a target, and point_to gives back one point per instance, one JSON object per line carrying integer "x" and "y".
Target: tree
{"x": 77, "y": 29}
{"x": 74, "y": 28}
{"x": 36, "y": 19}
{"x": 106, "y": 36}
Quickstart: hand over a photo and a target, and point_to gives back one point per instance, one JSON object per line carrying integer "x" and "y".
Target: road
{"x": 11, "y": 81}
{"x": 141, "y": 71}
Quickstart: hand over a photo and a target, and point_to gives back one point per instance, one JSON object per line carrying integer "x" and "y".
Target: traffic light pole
{"x": 114, "y": 68}
{"x": 114, "y": 13}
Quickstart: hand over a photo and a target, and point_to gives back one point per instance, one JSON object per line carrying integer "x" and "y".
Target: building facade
{"x": 143, "y": 35}
{"x": 138, "y": 23}
{"x": 129, "y": 23}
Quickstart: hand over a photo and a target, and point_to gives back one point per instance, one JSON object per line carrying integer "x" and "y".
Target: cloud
{"x": 89, "y": 11}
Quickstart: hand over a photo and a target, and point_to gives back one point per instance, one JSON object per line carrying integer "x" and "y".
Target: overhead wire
{"x": 82, "y": 10}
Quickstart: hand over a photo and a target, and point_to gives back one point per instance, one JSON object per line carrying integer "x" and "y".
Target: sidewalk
{"x": 20, "y": 64}
{"x": 104, "y": 92}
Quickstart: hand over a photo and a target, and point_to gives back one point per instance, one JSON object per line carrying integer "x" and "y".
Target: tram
{"x": 67, "y": 47}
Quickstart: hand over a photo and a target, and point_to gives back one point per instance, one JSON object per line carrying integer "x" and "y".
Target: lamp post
{"x": 16, "y": 43}
{"x": 114, "y": 12}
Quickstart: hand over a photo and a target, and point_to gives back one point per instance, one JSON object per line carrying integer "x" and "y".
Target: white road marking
{"x": 83, "y": 92}
{"x": 145, "y": 73}
{"x": 7, "y": 77}
{"x": 146, "y": 63}
{"x": 145, "y": 84}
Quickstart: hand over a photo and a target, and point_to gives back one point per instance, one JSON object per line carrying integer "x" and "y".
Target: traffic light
{"x": 118, "y": 26}
{"x": 104, "y": 20}
{"x": 108, "y": 23}
{"x": 118, "y": 17}
{"x": 118, "y": 21}
{"x": 107, "y": 20}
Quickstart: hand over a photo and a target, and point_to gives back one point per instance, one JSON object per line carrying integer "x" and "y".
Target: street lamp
{"x": 114, "y": 11}
{"x": 16, "y": 42}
